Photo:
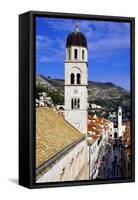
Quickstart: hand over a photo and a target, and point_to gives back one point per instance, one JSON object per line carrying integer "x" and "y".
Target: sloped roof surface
{"x": 53, "y": 134}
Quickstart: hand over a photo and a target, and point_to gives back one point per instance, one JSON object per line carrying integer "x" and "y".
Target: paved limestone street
{"x": 111, "y": 160}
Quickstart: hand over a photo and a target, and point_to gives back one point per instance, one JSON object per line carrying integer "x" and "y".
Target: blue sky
{"x": 108, "y": 48}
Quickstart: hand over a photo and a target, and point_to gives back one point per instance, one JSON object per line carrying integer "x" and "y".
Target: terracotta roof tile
{"x": 53, "y": 134}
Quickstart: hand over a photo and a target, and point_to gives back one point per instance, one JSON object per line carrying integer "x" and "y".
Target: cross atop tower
{"x": 76, "y": 27}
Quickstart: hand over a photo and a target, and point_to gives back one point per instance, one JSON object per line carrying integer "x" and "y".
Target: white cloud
{"x": 108, "y": 47}
{"x": 104, "y": 39}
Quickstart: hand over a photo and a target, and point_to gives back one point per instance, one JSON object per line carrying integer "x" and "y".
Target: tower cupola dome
{"x": 76, "y": 38}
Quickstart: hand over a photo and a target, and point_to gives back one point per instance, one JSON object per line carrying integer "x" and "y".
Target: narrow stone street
{"x": 111, "y": 164}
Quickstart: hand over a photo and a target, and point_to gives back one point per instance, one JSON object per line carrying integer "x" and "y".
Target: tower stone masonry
{"x": 76, "y": 80}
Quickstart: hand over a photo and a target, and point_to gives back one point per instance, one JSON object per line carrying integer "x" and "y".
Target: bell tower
{"x": 76, "y": 80}
{"x": 119, "y": 121}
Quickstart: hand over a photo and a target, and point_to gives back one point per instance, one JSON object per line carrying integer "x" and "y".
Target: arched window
{"x": 75, "y": 53}
{"x": 72, "y": 78}
{"x": 72, "y": 104}
{"x": 78, "y": 103}
{"x": 69, "y": 54}
{"x": 78, "y": 78}
{"x": 83, "y": 56}
{"x": 75, "y": 103}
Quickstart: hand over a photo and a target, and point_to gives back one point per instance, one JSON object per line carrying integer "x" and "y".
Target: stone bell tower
{"x": 76, "y": 80}
{"x": 119, "y": 121}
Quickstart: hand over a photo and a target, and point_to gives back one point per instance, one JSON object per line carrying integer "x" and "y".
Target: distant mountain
{"x": 107, "y": 95}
